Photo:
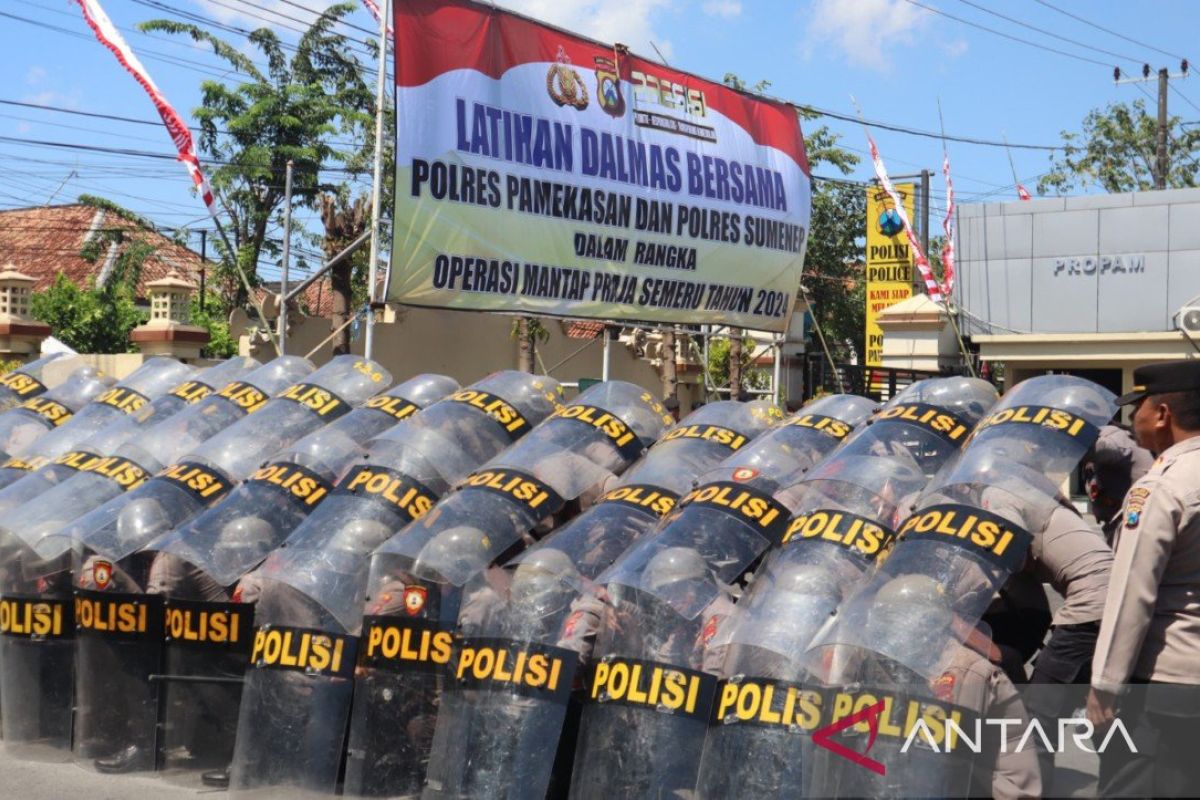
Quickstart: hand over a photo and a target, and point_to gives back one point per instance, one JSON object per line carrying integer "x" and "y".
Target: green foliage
{"x": 214, "y": 318}
{"x": 104, "y": 204}
{"x": 537, "y": 331}
{"x": 718, "y": 365}
{"x": 89, "y": 320}
{"x": 8, "y": 365}
{"x": 1115, "y": 151}
{"x": 291, "y": 111}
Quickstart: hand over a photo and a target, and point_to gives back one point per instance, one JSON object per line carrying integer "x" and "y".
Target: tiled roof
{"x": 42, "y": 242}
{"x": 583, "y": 330}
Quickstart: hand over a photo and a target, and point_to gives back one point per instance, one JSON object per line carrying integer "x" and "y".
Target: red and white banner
{"x": 541, "y": 172}
{"x": 948, "y": 230}
{"x": 1023, "y": 193}
{"x": 373, "y": 7}
{"x": 931, "y": 285}
{"x": 111, "y": 38}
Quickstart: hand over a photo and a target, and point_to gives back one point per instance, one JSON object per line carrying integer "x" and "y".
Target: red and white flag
{"x": 108, "y": 35}
{"x": 1023, "y": 193}
{"x": 948, "y": 229}
{"x": 931, "y": 285}
{"x": 373, "y": 7}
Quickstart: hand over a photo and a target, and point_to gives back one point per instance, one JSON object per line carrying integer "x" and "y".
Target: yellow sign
{"x": 889, "y": 263}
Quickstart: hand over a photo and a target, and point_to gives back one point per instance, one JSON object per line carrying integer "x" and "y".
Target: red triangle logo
{"x": 823, "y": 737}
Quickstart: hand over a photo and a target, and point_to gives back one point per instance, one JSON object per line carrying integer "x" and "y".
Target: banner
{"x": 889, "y": 261}
{"x": 541, "y": 172}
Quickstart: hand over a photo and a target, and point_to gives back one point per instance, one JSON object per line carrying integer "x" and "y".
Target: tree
{"x": 290, "y": 111}
{"x": 1116, "y": 151}
{"x": 344, "y": 220}
{"x": 87, "y": 319}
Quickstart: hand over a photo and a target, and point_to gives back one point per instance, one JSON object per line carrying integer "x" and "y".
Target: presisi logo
{"x": 651, "y": 498}
{"x": 22, "y": 385}
{"x": 1053, "y": 418}
{"x": 192, "y": 392}
{"x": 931, "y": 417}
{"x": 243, "y": 395}
{"x": 711, "y": 433}
{"x": 123, "y": 399}
{"x": 395, "y": 407}
{"x": 841, "y": 528}
{"x": 828, "y": 425}
{"x": 316, "y": 398}
{"x": 53, "y": 412}
{"x": 495, "y": 407}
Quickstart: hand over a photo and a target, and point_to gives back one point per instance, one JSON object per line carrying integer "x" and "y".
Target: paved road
{"x": 32, "y": 780}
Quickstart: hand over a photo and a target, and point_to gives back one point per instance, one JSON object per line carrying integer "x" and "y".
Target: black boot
{"x": 124, "y": 760}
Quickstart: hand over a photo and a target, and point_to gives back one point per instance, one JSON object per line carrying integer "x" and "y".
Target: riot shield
{"x": 26, "y": 381}
{"x": 324, "y": 451}
{"x": 758, "y": 743}
{"x": 427, "y": 565}
{"x": 185, "y": 416}
{"x": 155, "y": 377}
{"x": 37, "y": 659}
{"x": 317, "y": 580}
{"x": 24, "y": 424}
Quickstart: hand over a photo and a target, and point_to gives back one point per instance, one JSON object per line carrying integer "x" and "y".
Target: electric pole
{"x": 1162, "y": 162}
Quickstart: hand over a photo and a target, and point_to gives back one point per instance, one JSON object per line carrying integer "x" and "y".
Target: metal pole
{"x": 778, "y": 368}
{"x": 287, "y": 254}
{"x": 917, "y": 280}
{"x": 377, "y": 181}
{"x": 604, "y": 364}
{"x": 1160, "y": 179}
{"x": 704, "y": 367}
{"x": 203, "y": 265}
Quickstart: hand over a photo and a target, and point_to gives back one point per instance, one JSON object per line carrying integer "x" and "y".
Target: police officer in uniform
{"x": 1115, "y": 462}
{"x": 1150, "y": 634}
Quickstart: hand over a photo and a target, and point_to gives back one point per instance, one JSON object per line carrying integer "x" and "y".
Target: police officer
{"x": 1150, "y": 633}
{"x": 1110, "y": 468}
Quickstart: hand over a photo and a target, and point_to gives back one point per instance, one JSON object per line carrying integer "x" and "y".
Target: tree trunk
{"x": 343, "y": 221}
{"x": 524, "y": 345}
{"x": 670, "y": 377}
{"x": 735, "y": 363}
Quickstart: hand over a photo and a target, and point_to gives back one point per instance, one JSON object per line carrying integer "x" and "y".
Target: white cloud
{"x": 864, "y": 29}
{"x": 631, "y": 22}
{"x": 36, "y": 75}
{"x": 723, "y": 8}
{"x": 955, "y": 48}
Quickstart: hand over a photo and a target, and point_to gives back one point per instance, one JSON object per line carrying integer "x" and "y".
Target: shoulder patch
{"x": 943, "y": 687}
{"x": 1134, "y": 503}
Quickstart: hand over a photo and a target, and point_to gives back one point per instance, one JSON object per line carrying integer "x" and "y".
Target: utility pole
{"x": 203, "y": 264}
{"x": 925, "y": 211}
{"x": 1160, "y": 180}
{"x": 287, "y": 252}
{"x": 1162, "y": 162}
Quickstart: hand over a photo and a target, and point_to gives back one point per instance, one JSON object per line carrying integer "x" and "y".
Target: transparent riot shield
{"x": 155, "y": 377}
{"x": 318, "y": 579}
{"x": 325, "y": 452}
{"x": 32, "y": 419}
{"x": 188, "y": 414}
{"x": 26, "y": 381}
{"x": 37, "y": 655}
{"x": 758, "y": 743}
{"x": 428, "y": 564}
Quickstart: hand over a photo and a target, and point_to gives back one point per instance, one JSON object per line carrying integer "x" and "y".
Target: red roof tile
{"x": 42, "y": 242}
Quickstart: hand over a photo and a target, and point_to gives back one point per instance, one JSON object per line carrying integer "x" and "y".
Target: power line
{"x": 1052, "y": 34}
{"x": 1106, "y": 30}
{"x": 1018, "y": 39}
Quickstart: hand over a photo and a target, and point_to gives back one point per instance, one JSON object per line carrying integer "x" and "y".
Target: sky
{"x": 896, "y": 58}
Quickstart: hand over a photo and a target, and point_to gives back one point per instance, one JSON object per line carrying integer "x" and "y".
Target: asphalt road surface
{"x": 34, "y": 780}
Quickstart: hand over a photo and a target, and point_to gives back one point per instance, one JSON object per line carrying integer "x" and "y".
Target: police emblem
{"x": 943, "y": 687}
{"x": 744, "y": 474}
{"x": 608, "y": 87}
{"x": 564, "y": 85}
{"x": 1134, "y": 504}
{"x": 102, "y": 574}
{"x": 710, "y": 630}
{"x": 414, "y": 599}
